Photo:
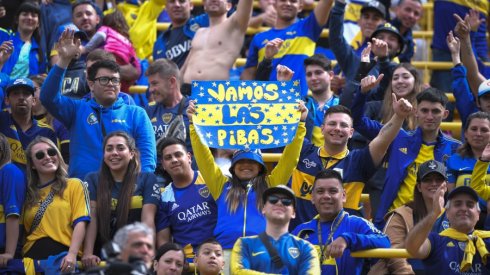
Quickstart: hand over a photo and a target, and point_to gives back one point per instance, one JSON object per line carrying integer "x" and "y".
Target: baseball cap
{"x": 431, "y": 166}
{"x": 376, "y": 6}
{"x": 254, "y": 155}
{"x": 20, "y": 82}
{"x": 280, "y": 189}
{"x": 78, "y": 33}
{"x": 484, "y": 88}
{"x": 463, "y": 190}
{"x": 387, "y": 27}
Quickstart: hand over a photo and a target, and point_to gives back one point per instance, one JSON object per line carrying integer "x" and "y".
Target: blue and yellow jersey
{"x": 355, "y": 166}
{"x": 247, "y": 220}
{"x": 13, "y": 191}
{"x": 18, "y": 139}
{"x": 459, "y": 170}
{"x": 147, "y": 191}
{"x": 61, "y": 216}
{"x": 479, "y": 179}
{"x": 298, "y": 256}
{"x": 190, "y": 212}
{"x": 446, "y": 254}
{"x": 299, "y": 43}
{"x": 461, "y": 7}
{"x": 359, "y": 234}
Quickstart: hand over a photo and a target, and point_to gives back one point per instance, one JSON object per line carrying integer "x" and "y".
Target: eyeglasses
{"x": 274, "y": 200}
{"x": 104, "y": 80}
{"x": 41, "y": 154}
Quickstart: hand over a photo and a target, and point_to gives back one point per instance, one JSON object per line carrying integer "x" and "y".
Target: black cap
{"x": 280, "y": 189}
{"x": 431, "y": 166}
{"x": 387, "y": 27}
{"x": 463, "y": 190}
{"x": 376, "y": 6}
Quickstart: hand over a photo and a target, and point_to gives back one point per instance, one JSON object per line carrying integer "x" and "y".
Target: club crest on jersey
{"x": 167, "y": 117}
{"x": 462, "y": 245}
{"x": 294, "y": 252}
{"x": 92, "y": 119}
{"x": 204, "y": 192}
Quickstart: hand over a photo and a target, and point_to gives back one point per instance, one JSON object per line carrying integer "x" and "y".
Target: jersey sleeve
{"x": 80, "y": 203}
{"x": 151, "y": 190}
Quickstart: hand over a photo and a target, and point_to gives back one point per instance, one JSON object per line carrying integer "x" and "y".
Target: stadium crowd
{"x": 96, "y": 178}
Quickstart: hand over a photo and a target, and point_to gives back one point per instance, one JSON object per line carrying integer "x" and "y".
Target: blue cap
{"x": 254, "y": 155}
{"x": 463, "y": 190}
{"x": 72, "y": 26}
{"x": 20, "y": 82}
{"x": 484, "y": 88}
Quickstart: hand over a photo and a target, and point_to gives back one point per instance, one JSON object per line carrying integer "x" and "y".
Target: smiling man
{"x": 188, "y": 210}
{"x": 334, "y": 232}
{"x": 460, "y": 249}
{"x": 292, "y": 255}
{"x": 88, "y": 122}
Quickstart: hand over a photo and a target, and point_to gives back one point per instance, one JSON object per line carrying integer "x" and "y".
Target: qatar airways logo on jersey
{"x": 474, "y": 270}
{"x": 194, "y": 212}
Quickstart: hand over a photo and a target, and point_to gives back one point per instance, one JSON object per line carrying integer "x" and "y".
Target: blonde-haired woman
{"x": 56, "y": 207}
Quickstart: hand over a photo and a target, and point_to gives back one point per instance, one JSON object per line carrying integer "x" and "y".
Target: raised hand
{"x": 453, "y": 43}
{"x": 366, "y": 53}
{"x": 401, "y": 107}
{"x": 304, "y": 111}
{"x": 284, "y": 73}
{"x": 438, "y": 200}
{"x": 191, "y": 109}
{"x": 379, "y": 48}
{"x": 475, "y": 20}
{"x": 463, "y": 27}
{"x": 269, "y": 16}
{"x": 68, "y": 47}
{"x": 272, "y": 47}
{"x": 485, "y": 155}
{"x": 6, "y": 50}
{"x": 369, "y": 82}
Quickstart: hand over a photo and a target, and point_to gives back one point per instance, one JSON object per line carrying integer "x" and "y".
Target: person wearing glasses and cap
{"x": 19, "y": 126}
{"x": 88, "y": 122}
{"x": 460, "y": 249}
{"x": 333, "y": 231}
{"x": 275, "y": 250}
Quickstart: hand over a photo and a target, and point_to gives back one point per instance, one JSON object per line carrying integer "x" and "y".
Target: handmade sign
{"x": 246, "y": 114}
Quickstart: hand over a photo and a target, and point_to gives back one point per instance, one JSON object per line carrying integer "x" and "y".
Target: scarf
{"x": 470, "y": 250}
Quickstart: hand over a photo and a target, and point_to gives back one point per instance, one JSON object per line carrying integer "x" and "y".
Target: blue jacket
{"x": 359, "y": 234}
{"x": 37, "y": 64}
{"x": 80, "y": 118}
{"x": 403, "y": 151}
{"x": 465, "y": 101}
{"x": 298, "y": 256}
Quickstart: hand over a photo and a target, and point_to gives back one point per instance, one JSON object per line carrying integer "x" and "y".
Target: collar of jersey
{"x": 340, "y": 155}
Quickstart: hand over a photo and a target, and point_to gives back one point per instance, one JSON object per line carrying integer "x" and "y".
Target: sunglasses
{"x": 41, "y": 154}
{"x": 274, "y": 200}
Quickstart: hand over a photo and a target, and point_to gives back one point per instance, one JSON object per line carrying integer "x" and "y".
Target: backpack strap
{"x": 276, "y": 259}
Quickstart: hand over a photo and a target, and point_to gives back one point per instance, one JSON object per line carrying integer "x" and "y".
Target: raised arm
{"x": 465, "y": 101}
{"x": 478, "y": 177}
{"x": 417, "y": 242}
{"x": 212, "y": 174}
{"x": 462, "y": 30}
{"x": 322, "y": 11}
{"x": 242, "y": 15}
{"x": 379, "y": 145}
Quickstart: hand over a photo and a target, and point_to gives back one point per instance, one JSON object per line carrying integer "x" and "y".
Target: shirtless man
{"x": 215, "y": 49}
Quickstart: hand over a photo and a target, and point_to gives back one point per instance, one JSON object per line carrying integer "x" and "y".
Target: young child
{"x": 113, "y": 37}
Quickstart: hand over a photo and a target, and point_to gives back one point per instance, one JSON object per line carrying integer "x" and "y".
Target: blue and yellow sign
{"x": 246, "y": 114}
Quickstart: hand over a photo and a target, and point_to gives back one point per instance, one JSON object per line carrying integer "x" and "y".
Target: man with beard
{"x": 18, "y": 126}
